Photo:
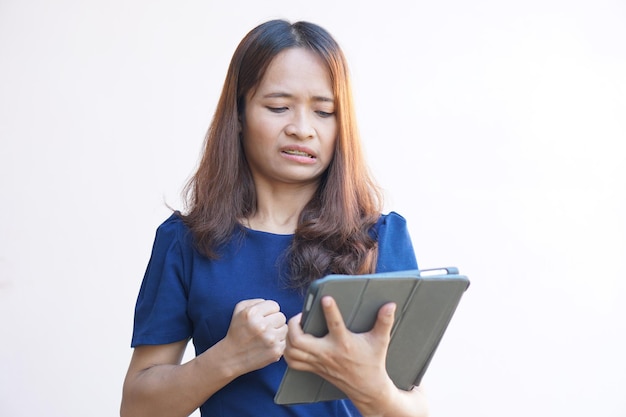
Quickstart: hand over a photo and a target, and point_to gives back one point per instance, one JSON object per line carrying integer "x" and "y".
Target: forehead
{"x": 296, "y": 70}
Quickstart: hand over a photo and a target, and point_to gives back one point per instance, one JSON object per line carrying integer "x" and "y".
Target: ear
{"x": 240, "y": 129}
{"x": 241, "y": 116}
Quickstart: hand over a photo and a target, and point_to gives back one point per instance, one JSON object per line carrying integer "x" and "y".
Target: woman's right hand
{"x": 158, "y": 385}
{"x": 257, "y": 333}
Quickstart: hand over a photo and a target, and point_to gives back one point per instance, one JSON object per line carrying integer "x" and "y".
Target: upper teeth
{"x": 296, "y": 152}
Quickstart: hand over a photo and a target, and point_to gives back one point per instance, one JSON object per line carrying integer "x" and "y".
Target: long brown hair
{"x": 334, "y": 229}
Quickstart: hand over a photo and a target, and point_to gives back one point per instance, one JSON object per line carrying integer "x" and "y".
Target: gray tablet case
{"x": 426, "y": 301}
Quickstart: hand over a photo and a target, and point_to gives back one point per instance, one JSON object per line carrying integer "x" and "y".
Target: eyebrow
{"x": 287, "y": 95}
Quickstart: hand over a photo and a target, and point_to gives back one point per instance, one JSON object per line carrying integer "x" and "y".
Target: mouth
{"x": 296, "y": 152}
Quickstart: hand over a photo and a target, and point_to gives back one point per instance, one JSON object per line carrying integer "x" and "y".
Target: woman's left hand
{"x": 353, "y": 362}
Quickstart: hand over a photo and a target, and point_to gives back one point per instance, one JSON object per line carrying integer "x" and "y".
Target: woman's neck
{"x": 278, "y": 208}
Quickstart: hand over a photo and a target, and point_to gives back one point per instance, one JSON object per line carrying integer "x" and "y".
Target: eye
{"x": 324, "y": 114}
{"x": 277, "y": 109}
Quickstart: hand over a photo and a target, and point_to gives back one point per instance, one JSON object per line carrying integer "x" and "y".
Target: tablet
{"x": 426, "y": 301}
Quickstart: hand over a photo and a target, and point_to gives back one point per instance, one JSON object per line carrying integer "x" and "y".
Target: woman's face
{"x": 290, "y": 127}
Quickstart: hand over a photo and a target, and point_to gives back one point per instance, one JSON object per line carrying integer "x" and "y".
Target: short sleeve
{"x": 395, "y": 249}
{"x": 161, "y": 310}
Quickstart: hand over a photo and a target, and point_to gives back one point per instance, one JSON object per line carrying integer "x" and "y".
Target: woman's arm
{"x": 157, "y": 384}
{"x": 355, "y": 363}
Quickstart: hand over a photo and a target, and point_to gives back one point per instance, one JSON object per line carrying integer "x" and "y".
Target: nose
{"x": 301, "y": 126}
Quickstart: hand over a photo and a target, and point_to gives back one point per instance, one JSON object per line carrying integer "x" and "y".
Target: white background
{"x": 497, "y": 129}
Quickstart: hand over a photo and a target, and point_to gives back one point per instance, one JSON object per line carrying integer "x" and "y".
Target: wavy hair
{"x": 334, "y": 232}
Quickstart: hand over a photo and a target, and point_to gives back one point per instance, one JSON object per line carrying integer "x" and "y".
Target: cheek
{"x": 252, "y": 135}
{"x": 329, "y": 151}
{"x": 259, "y": 129}
{"x": 330, "y": 143}
{"x": 252, "y": 146}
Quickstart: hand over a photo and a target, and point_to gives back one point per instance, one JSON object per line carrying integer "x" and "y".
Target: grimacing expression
{"x": 290, "y": 127}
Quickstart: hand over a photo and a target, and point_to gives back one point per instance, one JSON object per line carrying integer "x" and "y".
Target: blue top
{"x": 184, "y": 294}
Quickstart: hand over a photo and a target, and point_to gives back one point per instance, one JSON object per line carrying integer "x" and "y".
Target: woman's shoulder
{"x": 174, "y": 221}
{"x": 395, "y": 249}
{"x": 173, "y": 228}
{"x": 391, "y": 220}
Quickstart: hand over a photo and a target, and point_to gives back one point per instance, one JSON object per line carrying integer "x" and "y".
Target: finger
{"x": 297, "y": 356}
{"x": 297, "y": 360}
{"x": 294, "y": 324}
{"x": 248, "y": 303}
{"x": 282, "y": 333}
{"x": 334, "y": 320}
{"x": 242, "y": 307}
{"x": 264, "y": 308}
{"x": 385, "y": 319}
{"x": 277, "y": 320}
{"x": 294, "y": 330}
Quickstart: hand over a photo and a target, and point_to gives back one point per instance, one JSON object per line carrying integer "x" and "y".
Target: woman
{"x": 281, "y": 197}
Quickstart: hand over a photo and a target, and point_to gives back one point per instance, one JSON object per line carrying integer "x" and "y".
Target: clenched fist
{"x": 257, "y": 333}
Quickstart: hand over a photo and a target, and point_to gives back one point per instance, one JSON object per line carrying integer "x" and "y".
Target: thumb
{"x": 384, "y": 321}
